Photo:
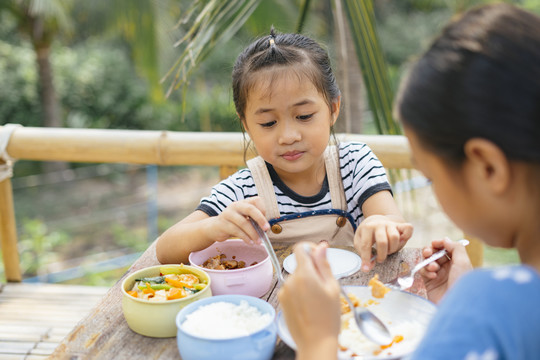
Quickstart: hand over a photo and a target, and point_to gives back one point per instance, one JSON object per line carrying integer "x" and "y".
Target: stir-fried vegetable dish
{"x": 172, "y": 283}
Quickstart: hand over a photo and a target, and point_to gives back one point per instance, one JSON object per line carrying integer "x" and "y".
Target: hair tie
{"x": 272, "y": 42}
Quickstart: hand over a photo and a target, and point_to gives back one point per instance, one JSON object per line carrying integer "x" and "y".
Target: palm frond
{"x": 53, "y": 11}
{"x": 208, "y": 23}
{"x": 137, "y": 21}
{"x": 304, "y": 9}
{"x": 372, "y": 63}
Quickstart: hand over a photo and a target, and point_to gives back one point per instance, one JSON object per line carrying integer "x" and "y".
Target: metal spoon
{"x": 269, "y": 249}
{"x": 405, "y": 282}
{"x": 370, "y": 325}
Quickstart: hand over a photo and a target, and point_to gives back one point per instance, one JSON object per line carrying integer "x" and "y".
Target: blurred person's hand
{"x": 441, "y": 275}
{"x": 311, "y": 305}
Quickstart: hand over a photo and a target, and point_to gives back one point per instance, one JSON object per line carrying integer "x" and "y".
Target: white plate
{"x": 342, "y": 262}
{"x": 397, "y": 309}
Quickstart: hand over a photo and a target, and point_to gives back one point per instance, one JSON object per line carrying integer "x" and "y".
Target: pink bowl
{"x": 252, "y": 280}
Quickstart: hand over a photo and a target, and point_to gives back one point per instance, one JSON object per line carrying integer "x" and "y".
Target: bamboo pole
{"x": 165, "y": 147}
{"x": 8, "y": 233}
{"x": 225, "y": 171}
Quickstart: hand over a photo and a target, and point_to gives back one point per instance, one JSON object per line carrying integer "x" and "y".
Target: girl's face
{"x": 289, "y": 122}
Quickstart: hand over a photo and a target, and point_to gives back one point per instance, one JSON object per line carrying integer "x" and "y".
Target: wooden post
{"x": 226, "y": 170}
{"x": 475, "y": 250}
{"x": 8, "y": 233}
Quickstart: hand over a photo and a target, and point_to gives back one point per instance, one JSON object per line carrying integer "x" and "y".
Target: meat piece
{"x": 230, "y": 264}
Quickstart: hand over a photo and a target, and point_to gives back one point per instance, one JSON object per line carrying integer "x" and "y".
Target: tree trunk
{"x": 349, "y": 77}
{"x": 47, "y": 94}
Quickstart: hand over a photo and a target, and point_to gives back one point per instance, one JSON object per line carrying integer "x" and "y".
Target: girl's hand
{"x": 387, "y": 234}
{"x": 441, "y": 275}
{"x": 310, "y": 301}
{"x": 234, "y": 221}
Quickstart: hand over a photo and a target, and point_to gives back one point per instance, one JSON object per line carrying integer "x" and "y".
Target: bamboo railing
{"x": 225, "y": 150}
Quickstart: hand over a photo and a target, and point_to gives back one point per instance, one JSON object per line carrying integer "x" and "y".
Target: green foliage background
{"x": 100, "y": 84}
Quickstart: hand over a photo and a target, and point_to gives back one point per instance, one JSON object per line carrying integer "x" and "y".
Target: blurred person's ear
{"x": 487, "y": 163}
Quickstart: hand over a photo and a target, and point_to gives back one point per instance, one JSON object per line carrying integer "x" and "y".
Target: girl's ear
{"x": 336, "y": 104}
{"x": 242, "y": 122}
{"x": 489, "y": 164}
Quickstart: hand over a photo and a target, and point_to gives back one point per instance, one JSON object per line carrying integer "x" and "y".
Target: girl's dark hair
{"x": 283, "y": 50}
{"x": 480, "y": 78}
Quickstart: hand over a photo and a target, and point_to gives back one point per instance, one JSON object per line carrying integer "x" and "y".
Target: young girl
{"x": 471, "y": 111}
{"x": 298, "y": 187}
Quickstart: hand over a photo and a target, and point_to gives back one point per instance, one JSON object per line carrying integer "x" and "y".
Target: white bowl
{"x": 399, "y": 310}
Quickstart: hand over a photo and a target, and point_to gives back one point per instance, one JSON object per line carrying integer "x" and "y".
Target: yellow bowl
{"x": 157, "y": 319}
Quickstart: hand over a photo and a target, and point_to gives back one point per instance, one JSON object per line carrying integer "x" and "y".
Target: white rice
{"x": 351, "y": 338}
{"x": 224, "y": 320}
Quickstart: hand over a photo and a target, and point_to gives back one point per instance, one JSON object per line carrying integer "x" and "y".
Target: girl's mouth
{"x": 292, "y": 155}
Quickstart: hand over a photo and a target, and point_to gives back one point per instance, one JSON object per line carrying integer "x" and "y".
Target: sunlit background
{"x": 105, "y": 64}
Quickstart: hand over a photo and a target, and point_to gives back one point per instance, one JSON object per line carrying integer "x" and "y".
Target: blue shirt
{"x": 490, "y": 314}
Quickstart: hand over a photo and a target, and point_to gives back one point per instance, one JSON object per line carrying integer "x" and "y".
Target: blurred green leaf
{"x": 210, "y": 22}
{"x": 372, "y": 63}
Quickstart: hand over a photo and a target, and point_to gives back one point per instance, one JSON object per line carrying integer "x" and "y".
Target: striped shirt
{"x": 361, "y": 172}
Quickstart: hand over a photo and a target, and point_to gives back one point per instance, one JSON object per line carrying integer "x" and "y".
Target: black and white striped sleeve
{"x": 236, "y": 187}
{"x": 363, "y": 175}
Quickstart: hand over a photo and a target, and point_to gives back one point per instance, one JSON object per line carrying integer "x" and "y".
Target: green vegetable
{"x": 199, "y": 286}
{"x": 164, "y": 270}
{"x": 190, "y": 290}
{"x": 155, "y": 286}
{"x": 155, "y": 279}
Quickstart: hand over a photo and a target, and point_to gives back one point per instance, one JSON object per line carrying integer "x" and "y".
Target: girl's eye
{"x": 305, "y": 117}
{"x": 268, "y": 124}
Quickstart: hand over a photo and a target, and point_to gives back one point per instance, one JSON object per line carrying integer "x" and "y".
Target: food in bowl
{"x": 236, "y": 327}
{"x": 378, "y": 290}
{"x": 254, "y": 280}
{"x": 352, "y": 340}
{"x": 220, "y": 262}
{"x": 222, "y": 320}
{"x": 157, "y": 318}
{"x": 169, "y": 285}
{"x": 405, "y": 315}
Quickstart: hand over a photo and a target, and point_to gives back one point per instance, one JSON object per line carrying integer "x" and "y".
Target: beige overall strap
{"x": 264, "y": 185}
{"x": 337, "y": 193}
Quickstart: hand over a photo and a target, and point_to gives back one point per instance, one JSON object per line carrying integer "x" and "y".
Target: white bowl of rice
{"x": 239, "y": 327}
{"x": 406, "y": 315}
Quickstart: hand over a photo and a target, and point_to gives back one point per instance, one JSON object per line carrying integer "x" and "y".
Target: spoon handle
{"x": 439, "y": 254}
{"x": 269, "y": 249}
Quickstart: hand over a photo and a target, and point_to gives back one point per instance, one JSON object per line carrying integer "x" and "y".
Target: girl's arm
{"x": 198, "y": 230}
{"x": 383, "y": 226}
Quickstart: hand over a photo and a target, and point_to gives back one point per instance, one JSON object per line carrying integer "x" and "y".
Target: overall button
{"x": 276, "y": 228}
{"x": 341, "y": 221}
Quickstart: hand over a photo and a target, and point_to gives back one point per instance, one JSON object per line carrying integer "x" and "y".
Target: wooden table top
{"x": 104, "y": 333}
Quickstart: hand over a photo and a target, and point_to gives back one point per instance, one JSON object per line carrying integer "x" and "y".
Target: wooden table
{"x": 104, "y": 333}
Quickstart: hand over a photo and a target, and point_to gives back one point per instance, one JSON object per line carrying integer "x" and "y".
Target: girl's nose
{"x": 289, "y": 134}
